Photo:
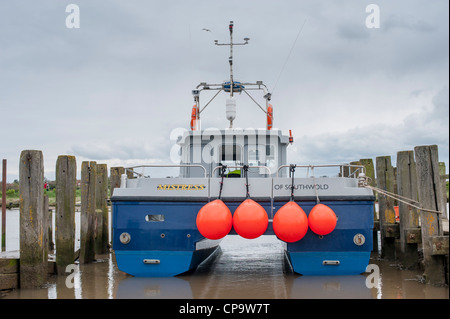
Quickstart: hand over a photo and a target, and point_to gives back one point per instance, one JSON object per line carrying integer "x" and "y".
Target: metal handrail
{"x": 167, "y": 165}
{"x": 242, "y": 166}
{"x": 363, "y": 169}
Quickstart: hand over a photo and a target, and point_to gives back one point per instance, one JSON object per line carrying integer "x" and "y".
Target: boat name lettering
{"x": 183, "y": 187}
{"x": 301, "y": 186}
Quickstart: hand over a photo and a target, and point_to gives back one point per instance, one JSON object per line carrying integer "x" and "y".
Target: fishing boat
{"x": 239, "y": 182}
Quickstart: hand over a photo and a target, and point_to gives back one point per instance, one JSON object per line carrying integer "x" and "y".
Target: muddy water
{"x": 247, "y": 269}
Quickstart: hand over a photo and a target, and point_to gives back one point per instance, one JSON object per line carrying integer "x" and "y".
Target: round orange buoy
{"x": 250, "y": 219}
{"x": 322, "y": 220}
{"x": 214, "y": 220}
{"x": 290, "y": 223}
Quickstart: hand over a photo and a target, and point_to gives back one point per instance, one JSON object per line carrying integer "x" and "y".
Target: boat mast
{"x": 232, "y": 86}
{"x": 230, "y": 59}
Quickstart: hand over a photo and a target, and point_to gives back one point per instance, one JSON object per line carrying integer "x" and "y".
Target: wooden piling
{"x": 409, "y": 216}
{"x": 115, "y": 175}
{"x": 388, "y": 228}
{"x": 66, "y": 175}
{"x": 88, "y": 183}
{"x": 33, "y": 252}
{"x": 101, "y": 190}
{"x": 114, "y": 181}
{"x": 370, "y": 172}
{"x": 3, "y": 244}
{"x": 47, "y": 225}
{"x": 429, "y": 191}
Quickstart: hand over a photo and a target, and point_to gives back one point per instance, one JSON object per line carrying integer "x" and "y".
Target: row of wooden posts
{"x": 35, "y": 221}
{"x": 416, "y": 177}
{"x": 417, "y": 240}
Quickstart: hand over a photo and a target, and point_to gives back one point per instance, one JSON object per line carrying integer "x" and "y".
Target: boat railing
{"x": 241, "y": 166}
{"x": 131, "y": 169}
{"x": 311, "y": 168}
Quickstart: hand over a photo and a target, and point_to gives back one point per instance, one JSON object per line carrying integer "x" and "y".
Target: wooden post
{"x": 370, "y": 172}
{"x": 101, "y": 189}
{"x": 33, "y": 252}
{"x": 409, "y": 216}
{"x": 115, "y": 175}
{"x": 47, "y": 225}
{"x": 429, "y": 189}
{"x": 388, "y": 228}
{"x": 114, "y": 180}
{"x": 88, "y": 183}
{"x": 66, "y": 182}
{"x": 444, "y": 178}
{"x": 3, "y": 248}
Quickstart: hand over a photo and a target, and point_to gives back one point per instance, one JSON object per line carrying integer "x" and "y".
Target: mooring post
{"x": 88, "y": 183}
{"x": 33, "y": 252}
{"x": 47, "y": 224}
{"x": 443, "y": 178}
{"x": 370, "y": 172}
{"x": 388, "y": 228}
{"x": 66, "y": 182}
{"x": 3, "y": 248}
{"x": 115, "y": 174}
{"x": 101, "y": 190}
{"x": 114, "y": 180}
{"x": 410, "y": 235}
{"x": 434, "y": 244}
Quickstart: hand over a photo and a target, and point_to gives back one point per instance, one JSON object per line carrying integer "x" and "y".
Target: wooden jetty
{"x": 417, "y": 238}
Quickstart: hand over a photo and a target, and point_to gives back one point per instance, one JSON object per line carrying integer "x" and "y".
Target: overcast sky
{"x": 115, "y": 88}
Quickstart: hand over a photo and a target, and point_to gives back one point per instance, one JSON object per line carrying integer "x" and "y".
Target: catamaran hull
{"x": 171, "y": 244}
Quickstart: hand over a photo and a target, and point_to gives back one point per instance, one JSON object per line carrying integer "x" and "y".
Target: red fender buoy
{"x": 214, "y": 220}
{"x": 250, "y": 219}
{"x": 322, "y": 219}
{"x": 290, "y": 222}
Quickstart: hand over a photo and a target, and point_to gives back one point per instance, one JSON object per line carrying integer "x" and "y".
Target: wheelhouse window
{"x": 231, "y": 155}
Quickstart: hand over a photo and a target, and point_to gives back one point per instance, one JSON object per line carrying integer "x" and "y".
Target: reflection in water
{"x": 244, "y": 269}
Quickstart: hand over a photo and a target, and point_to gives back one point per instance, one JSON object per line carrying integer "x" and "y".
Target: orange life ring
{"x": 269, "y": 117}
{"x": 194, "y": 117}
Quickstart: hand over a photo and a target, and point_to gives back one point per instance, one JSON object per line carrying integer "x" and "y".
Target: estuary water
{"x": 243, "y": 269}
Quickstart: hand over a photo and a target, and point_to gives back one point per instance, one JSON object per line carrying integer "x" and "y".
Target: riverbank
{"x": 13, "y": 198}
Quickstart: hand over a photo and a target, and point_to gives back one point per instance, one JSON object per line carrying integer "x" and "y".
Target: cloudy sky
{"x": 114, "y": 89}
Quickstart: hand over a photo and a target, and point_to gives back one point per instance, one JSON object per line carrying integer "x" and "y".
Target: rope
{"x": 287, "y": 58}
{"x": 401, "y": 199}
{"x": 292, "y": 171}
{"x": 222, "y": 172}
{"x": 246, "y": 181}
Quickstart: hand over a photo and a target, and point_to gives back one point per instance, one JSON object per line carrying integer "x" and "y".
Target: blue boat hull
{"x": 345, "y": 251}
{"x": 163, "y": 248}
{"x": 171, "y": 263}
{"x": 173, "y": 245}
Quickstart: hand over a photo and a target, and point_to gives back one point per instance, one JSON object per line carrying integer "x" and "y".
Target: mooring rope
{"x": 400, "y": 198}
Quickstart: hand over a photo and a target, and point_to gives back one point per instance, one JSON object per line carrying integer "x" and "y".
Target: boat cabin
{"x": 263, "y": 151}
